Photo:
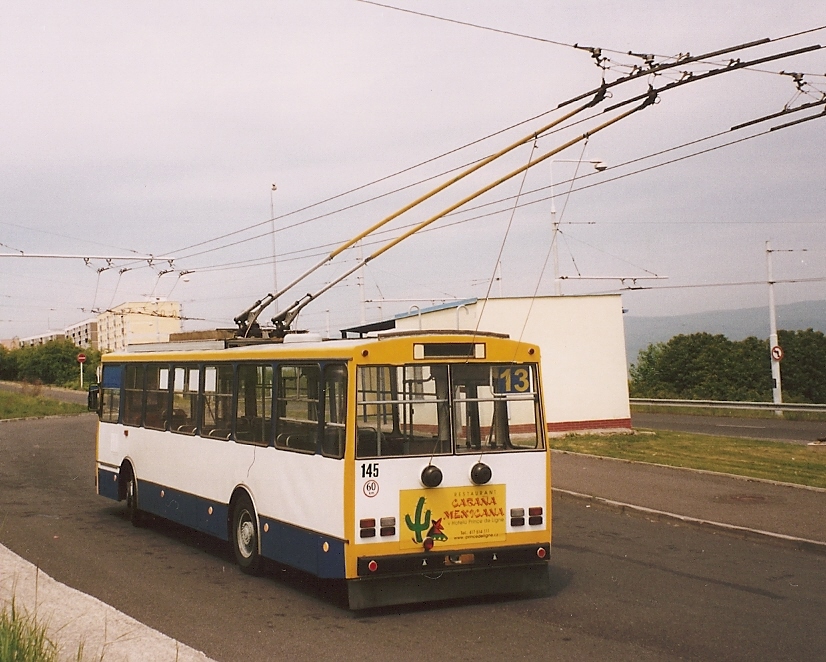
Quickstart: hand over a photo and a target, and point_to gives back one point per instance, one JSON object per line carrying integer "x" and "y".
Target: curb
{"x": 81, "y": 625}
{"x": 792, "y": 541}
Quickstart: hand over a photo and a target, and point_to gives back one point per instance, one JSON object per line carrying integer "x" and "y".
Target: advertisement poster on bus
{"x": 452, "y": 515}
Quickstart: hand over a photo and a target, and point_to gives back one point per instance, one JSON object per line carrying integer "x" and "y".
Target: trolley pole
{"x": 774, "y": 346}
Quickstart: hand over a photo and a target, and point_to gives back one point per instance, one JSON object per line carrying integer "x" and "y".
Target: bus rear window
{"x": 443, "y": 409}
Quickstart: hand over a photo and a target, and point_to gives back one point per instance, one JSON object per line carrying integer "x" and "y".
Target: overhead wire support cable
{"x": 657, "y": 68}
{"x": 733, "y": 66}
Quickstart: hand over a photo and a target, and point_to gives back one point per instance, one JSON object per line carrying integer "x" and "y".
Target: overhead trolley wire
{"x": 317, "y": 251}
{"x": 654, "y": 69}
{"x": 599, "y": 95}
{"x": 247, "y": 320}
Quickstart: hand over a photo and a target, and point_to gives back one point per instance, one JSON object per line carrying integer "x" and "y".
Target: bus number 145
{"x": 370, "y": 470}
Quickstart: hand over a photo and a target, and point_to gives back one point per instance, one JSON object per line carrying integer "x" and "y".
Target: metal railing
{"x": 729, "y": 404}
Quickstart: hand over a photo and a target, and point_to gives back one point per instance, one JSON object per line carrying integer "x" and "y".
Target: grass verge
{"x": 23, "y": 639}
{"x": 723, "y": 412}
{"x": 19, "y": 405}
{"x": 772, "y": 460}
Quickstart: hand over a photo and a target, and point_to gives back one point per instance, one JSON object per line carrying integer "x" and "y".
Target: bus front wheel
{"x": 245, "y": 535}
{"x": 132, "y": 510}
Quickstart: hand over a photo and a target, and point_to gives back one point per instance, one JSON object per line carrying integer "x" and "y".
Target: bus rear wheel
{"x": 245, "y": 535}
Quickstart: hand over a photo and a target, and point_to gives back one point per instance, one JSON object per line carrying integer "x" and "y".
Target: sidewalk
{"x": 75, "y": 621}
{"x": 753, "y": 507}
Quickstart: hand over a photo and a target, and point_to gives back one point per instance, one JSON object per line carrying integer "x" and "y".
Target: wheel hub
{"x": 246, "y": 535}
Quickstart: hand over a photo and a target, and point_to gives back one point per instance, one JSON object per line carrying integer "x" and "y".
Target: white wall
{"x": 582, "y": 343}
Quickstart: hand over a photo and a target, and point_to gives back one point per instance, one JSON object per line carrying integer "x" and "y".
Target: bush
{"x": 54, "y": 363}
{"x": 702, "y": 366}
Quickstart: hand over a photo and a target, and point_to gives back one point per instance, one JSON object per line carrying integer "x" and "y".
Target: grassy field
{"x": 789, "y": 463}
{"x": 18, "y": 405}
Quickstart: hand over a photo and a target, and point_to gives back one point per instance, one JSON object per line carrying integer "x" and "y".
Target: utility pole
{"x": 774, "y": 346}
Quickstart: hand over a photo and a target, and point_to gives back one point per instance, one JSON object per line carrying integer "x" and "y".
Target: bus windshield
{"x": 443, "y": 409}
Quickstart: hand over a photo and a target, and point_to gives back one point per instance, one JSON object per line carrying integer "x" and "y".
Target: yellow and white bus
{"x": 412, "y": 465}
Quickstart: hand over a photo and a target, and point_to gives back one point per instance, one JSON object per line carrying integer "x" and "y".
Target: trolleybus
{"x": 413, "y": 466}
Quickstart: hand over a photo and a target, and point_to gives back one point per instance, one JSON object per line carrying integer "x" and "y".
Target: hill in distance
{"x": 737, "y": 324}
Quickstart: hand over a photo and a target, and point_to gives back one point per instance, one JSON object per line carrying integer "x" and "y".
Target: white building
{"x": 138, "y": 323}
{"x": 42, "y": 339}
{"x": 582, "y": 342}
{"x": 84, "y": 334}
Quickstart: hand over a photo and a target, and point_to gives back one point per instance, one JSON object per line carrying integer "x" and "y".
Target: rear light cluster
{"x": 367, "y": 527}
{"x": 535, "y": 516}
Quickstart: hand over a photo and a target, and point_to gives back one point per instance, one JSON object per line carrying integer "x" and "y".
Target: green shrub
{"x": 702, "y": 366}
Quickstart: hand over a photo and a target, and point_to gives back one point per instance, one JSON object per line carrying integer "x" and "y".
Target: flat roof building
{"x": 582, "y": 341}
{"x": 84, "y": 334}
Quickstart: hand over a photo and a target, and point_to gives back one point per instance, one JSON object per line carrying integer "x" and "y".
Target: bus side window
{"x": 110, "y": 393}
{"x": 297, "y": 424}
{"x": 335, "y": 411}
{"x": 185, "y": 385}
{"x": 133, "y": 394}
{"x": 216, "y": 414}
{"x": 156, "y": 416}
{"x": 253, "y": 409}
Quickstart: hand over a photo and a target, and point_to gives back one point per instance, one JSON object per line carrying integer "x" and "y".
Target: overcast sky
{"x": 135, "y": 129}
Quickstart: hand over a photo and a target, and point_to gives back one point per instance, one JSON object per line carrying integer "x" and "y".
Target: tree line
{"x": 699, "y": 366}
{"x": 702, "y": 366}
{"x": 54, "y": 363}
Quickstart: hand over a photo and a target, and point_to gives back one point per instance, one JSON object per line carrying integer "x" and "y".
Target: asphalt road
{"x": 801, "y": 432}
{"x": 623, "y": 587}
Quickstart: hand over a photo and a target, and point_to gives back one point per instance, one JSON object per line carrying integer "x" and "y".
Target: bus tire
{"x": 245, "y": 535}
{"x": 132, "y": 510}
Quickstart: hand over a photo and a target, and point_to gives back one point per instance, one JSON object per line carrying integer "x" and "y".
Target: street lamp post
{"x": 599, "y": 166}
{"x": 272, "y": 221}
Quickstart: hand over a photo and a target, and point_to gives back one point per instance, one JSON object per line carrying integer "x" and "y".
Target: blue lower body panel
{"x": 108, "y": 484}
{"x": 312, "y": 552}
{"x": 300, "y": 548}
{"x": 192, "y": 511}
